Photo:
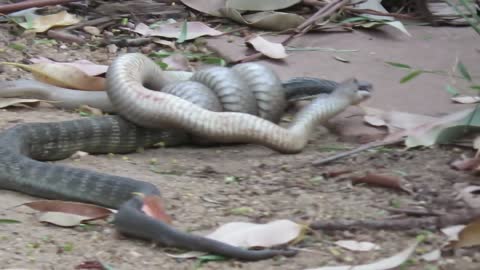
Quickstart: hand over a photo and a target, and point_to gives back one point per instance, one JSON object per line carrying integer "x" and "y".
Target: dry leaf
{"x": 466, "y": 164}
{"x": 62, "y": 219}
{"x": 431, "y": 256}
{"x": 90, "y": 110}
{"x": 153, "y": 207}
{"x": 210, "y": 7}
{"x": 394, "y": 120}
{"x": 269, "y": 20}
{"x": 165, "y": 42}
{"x": 7, "y": 102}
{"x": 470, "y": 195}
{"x": 41, "y": 23}
{"x": 86, "y": 66}
{"x": 89, "y": 211}
{"x": 264, "y": 5}
{"x": 249, "y": 235}
{"x": 452, "y": 232}
{"x": 63, "y": 76}
{"x": 383, "y": 264}
{"x": 466, "y": 99}
{"x": 469, "y": 236}
{"x": 357, "y": 246}
{"x": 381, "y": 181}
{"x": 173, "y": 30}
{"x": 177, "y": 62}
{"x": 268, "y": 48}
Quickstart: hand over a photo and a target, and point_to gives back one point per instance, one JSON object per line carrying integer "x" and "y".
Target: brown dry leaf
{"x": 63, "y": 76}
{"x": 29, "y": 20}
{"x": 210, "y": 7}
{"x": 90, "y": 110}
{"x": 18, "y": 102}
{"x": 394, "y": 120}
{"x": 466, "y": 99}
{"x": 89, "y": 211}
{"x": 173, "y": 30}
{"x": 165, "y": 42}
{"x": 269, "y": 20}
{"x": 153, "y": 207}
{"x": 177, "y": 62}
{"x": 466, "y": 164}
{"x": 381, "y": 181}
{"x": 469, "y": 236}
{"x": 86, "y": 66}
{"x": 267, "y": 48}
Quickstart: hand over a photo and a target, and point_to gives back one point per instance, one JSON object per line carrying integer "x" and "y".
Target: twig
{"x": 455, "y": 218}
{"x": 29, "y": 4}
{"x": 303, "y": 28}
{"x": 410, "y": 212}
{"x": 89, "y": 23}
{"x": 359, "y": 149}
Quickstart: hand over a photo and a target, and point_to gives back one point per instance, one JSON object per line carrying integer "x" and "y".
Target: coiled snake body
{"x": 24, "y": 144}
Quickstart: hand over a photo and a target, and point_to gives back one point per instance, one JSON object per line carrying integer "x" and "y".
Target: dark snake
{"x": 23, "y": 147}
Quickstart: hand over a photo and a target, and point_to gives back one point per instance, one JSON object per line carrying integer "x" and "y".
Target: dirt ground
{"x": 274, "y": 186}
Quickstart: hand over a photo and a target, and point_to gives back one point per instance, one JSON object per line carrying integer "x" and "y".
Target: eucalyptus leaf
{"x": 463, "y": 70}
{"x": 399, "y": 65}
{"x": 410, "y": 76}
{"x": 452, "y": 90}
{"x": 8, "y": 221}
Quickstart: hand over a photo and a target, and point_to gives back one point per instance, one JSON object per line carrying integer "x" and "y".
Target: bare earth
{"x": 274, "y": 186}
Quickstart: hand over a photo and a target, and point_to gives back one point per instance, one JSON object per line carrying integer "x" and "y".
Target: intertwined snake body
{"x": 23, "y": 147}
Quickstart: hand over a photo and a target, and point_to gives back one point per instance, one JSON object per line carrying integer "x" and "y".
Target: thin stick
{"x": 29, "y": 4}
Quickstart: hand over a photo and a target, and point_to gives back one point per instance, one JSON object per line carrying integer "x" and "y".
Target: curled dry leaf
{"x": 7, "y": 102}
{"x": 61, "y": 75}
{"x": 452, "y": 232}
{"x": 269, "y": 20}
{"x": 357, "y": 246}
{"x": 177, "y": 62}
{"x": 394, "y": 120}
{"x": 153, "y": 207}
{"x": 29, "y": 20}
{"x": 86, "y": 66}
{"x": 89, "y": 211}
{"x": 268, "y": 48}
{"x": 62, "y": 219}
{"x": 466, "y": 99}
{"x": 381, "y": 181}
{"x": 383, "y": 264}
{"x": 174, "y": 30}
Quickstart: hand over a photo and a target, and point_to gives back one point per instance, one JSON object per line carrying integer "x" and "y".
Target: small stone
{"x": 112, "y": 48}
{"x": 92, "y": 30}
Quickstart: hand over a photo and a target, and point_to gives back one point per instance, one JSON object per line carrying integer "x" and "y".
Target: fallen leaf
{"x": 82, "y": 209}
{"x": 86, "y": 66}
{"x": 29, "y": 20}
{"x": 394, "y": 120}
{"x": 168, "y": 43}
{"x": 264, "y": 5}
{"x": 7, "y": 102}
{"x": 383, "y": 264}
{"x": 251, "y": 235}
{"x": 269, "y": 20}
{"x": 466, "y": 99}
{"x": 93, "y": 265}
{"x": 268, "y": 48}
{"x": 452, "y": 232}
{"x": 469, "y": 236}
{"x": 153, "y": 207}
{"x": 78, "y": 155}
{"x": 470, "y": 195}
{"x": 431, "y": 256}
{"x": 380, "y": 19}
{"x": 174, "y": 30}
{"x": 210, "y": 7}
{"x": 62, "y": 219}
{"x": 177, "y": 62}
{"x": 466, "y": 164}
{"x": 8, "y": 221}
{"x": 357, "y": 246}
{"x": 381, "y": 181}
{"x": 341, "y": 59}
{"x": 61, "y": 75}
{"x": 92, "y": 30}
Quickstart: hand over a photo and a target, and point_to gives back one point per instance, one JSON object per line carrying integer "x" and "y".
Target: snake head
{"x": 356, "y": 91}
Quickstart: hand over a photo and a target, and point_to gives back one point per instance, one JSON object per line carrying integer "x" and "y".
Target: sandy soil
{"x": 194, "y": 186}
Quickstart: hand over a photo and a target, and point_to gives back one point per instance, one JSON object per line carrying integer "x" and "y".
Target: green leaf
{"x": 463, "y": 70}
{"x": 399, "y": 65}
{"x": 183, "y": 33}
{"x": 162, "y": 65}
{"x": 8, "y": 221}
{"x": 214, "y": 60}
{"x": 475, "y": 87}
{"x": 354, "y": 19}
{"x": 452, "y": 90}
{"x": 410, "y": 76}
{"x": 17, "y": 46}
{"x": 208, "y": 258}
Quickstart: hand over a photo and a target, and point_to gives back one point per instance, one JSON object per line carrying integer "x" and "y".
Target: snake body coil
{"x": 22, "y": 145}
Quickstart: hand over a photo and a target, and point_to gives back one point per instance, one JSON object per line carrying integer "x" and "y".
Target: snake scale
{"x": 24, "y": 146}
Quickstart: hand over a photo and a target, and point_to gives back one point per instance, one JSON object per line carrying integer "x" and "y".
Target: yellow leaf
{"x": 63, "y": 76}
{"x": 41, "y": 23}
